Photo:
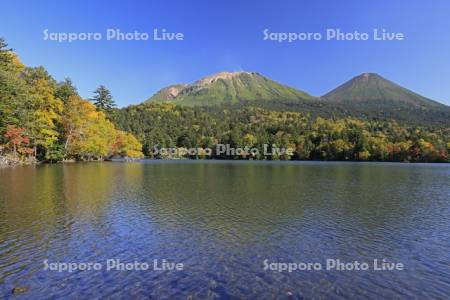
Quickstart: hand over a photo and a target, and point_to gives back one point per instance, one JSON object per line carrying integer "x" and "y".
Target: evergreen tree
{"x": 103, "y": 99}
{"x": 65, "y": 89}
{"x": 5, "y": 56}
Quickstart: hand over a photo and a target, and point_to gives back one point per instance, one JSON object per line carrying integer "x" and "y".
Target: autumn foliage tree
{"x": 89, "y": 134}
{"x": 125, "y": 144}
{"x": 17, "y": 141}
{"x": 45, "y": 108}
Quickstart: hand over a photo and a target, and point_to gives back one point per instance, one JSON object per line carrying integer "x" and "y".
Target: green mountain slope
{"x": 372, "y": 88}
{"x": 168, "y": 93}
{"x": 228, "y": 88}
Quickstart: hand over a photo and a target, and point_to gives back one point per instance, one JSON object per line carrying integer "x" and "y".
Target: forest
{"x": 45, "y": 120}
{"x": 168, "y": 125}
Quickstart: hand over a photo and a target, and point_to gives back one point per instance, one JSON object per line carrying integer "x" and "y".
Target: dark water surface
{"x": 221, "y": 220}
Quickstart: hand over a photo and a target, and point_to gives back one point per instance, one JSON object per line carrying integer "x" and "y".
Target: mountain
{"x": 367, "y": 96}
{"x": 374, "y": 89}
{"x": 228, "y": 88}
{"x": 168, "y": 93}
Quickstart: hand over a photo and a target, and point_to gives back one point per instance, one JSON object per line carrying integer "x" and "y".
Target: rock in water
{"x": 19, "y": 290}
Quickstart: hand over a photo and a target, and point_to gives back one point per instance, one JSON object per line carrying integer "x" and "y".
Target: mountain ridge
{"x": 229, "y": 87}
{"x": 232, "y": 87}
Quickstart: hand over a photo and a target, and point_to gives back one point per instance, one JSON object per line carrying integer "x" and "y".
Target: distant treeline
{"x": 313, "y": 137}
{"x": 41, "y": 119}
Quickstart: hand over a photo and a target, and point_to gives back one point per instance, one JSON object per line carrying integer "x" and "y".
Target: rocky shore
{"x": 10, "y": 162}
{"x": 7, "y": 162}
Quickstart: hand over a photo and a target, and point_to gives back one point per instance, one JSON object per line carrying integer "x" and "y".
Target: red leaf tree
{"x": 17, "y": 140}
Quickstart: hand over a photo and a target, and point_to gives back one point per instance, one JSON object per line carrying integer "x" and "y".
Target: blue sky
{"x": 228, "y": 36}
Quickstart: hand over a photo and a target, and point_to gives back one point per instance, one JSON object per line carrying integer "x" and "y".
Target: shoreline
{"x": 6, "y": 162}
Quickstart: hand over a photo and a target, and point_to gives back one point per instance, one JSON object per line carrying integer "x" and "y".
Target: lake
{"x": 231, "y": 225}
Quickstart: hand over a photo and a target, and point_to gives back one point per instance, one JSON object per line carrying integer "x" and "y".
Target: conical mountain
{"x": 229, "y": 87}
{"x": 371, "y": 87}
